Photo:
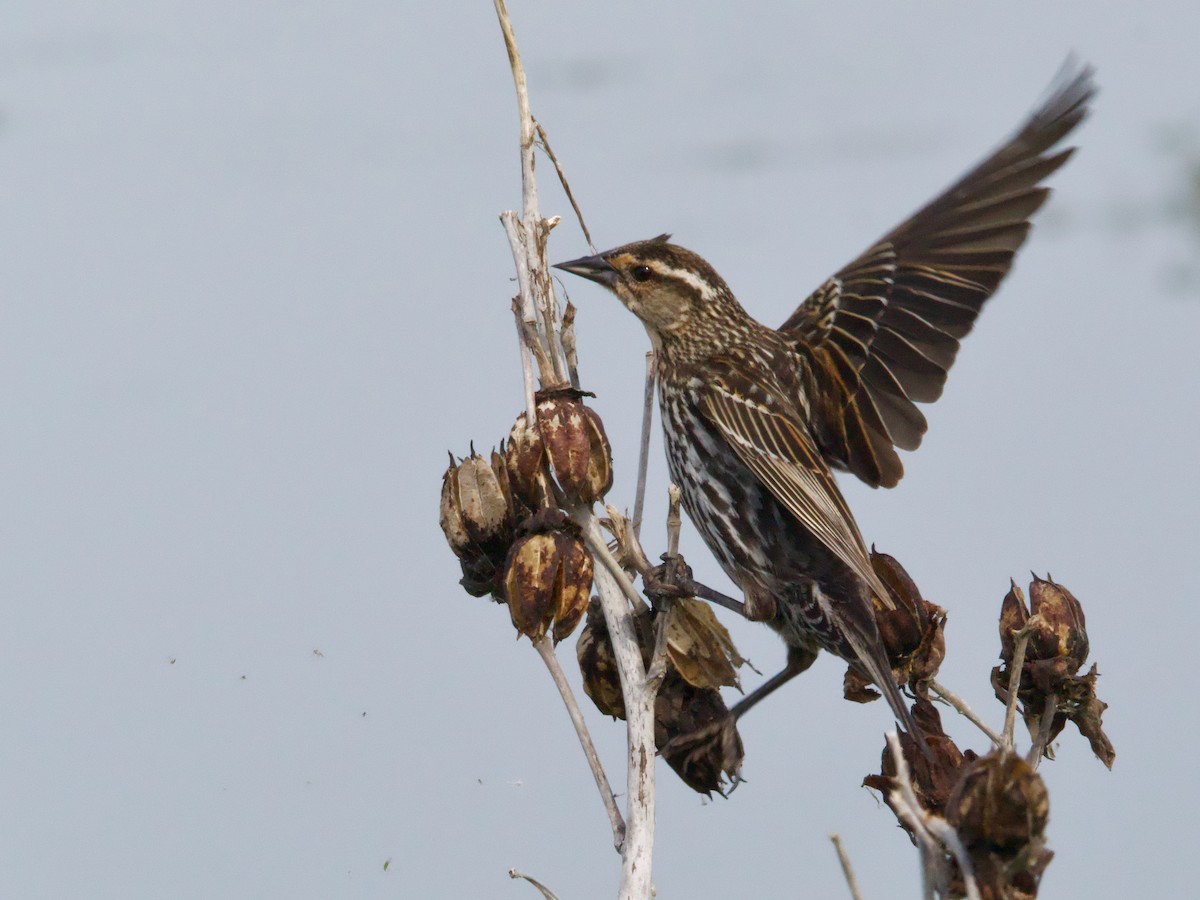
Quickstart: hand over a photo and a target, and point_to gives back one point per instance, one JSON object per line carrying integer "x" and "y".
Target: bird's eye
{"x": 641, "y": 273}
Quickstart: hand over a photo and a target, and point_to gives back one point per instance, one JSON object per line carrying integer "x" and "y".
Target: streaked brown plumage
{"x": 754, "y": 417}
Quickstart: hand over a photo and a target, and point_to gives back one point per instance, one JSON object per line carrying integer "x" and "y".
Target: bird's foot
{"x": 673, "y": 579}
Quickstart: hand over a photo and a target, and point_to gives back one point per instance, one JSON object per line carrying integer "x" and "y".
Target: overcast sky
{"x": 253, "y": 287}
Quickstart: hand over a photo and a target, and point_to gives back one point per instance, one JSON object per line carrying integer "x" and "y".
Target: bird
{"x": 755, "y": 419}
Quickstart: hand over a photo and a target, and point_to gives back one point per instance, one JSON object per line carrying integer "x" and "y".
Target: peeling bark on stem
{"x": 639, "y": 711}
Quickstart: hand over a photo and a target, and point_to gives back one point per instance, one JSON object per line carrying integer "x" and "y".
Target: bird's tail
{"x": 857, "y": 624}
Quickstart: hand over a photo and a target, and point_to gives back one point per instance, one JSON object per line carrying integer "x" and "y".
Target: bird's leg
{"x": 704, "y": 592}
{"x": 798, "y": 660}
{"x": 720, "y": 735}
{"x": 674, "y": 579}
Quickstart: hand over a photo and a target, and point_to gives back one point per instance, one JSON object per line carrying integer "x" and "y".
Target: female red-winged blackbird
{"x": 754, "y": 417}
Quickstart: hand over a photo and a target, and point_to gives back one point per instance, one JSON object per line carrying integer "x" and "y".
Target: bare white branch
{"x": 639, "y": 715}
{"x": 547, "y": 894}
{"x": 545, "y": 650}
{"x": 1043, "y": 735}
{"x": 961, "y": 706}
{"x": 847, "y": 868}
{"x": 1021, "y": 639}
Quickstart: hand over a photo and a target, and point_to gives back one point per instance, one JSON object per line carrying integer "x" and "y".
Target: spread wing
{"x": 881, "y": 334}
{"x": 778, "y": 450}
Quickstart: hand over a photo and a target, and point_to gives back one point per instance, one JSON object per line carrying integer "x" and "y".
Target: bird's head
{"x": 673, "y": 291}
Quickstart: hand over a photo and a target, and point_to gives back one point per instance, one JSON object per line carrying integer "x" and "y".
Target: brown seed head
{"x": 548, "y": 576}
{"x": 696, "y": 735}
{"x": 451, "y": 516}
{"x": 1063, "y": 633}
{"x": 598, "y": 664}
{"x": 531, "y": 584}
{"x": 1000, "y": 803}
{"x": 575, "y": 442}
{"x": 913, "y": 631}
{"x": 575, "y": 584}
{"x": 933, "y": 775}
{"x": 484, "y": 508}
{"x": 477, "y": 519}
{"x": 525, "y": 459}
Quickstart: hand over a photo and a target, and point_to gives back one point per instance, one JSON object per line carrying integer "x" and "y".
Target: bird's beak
{"x": 593, "y": 268}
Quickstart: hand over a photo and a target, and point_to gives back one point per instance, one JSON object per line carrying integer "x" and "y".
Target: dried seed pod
{"x": 484, "y": 508}
{"x": 692, "y": 727}
{"x": 518, "y": 509}
{"x": 933, "y": 775}
{"x": 999, "y": 809}
{"x": 902, "y": 627}
{"x": 1013, "y": 616}
{"x": 476, "y": 517}
{"x": 699, "y": 646}
{"x": 451, "y": 515}
{"x": 576, "y": 445}
{"x": 1057, "y": 649}
{"x": 912, "y": 631}
{"x": 525, "y": 460}
{"x": 598, "y": 664}
{"x": 549, "y": 576}
{"x": 574, "y": 585}
{"x": 695, "y": 734}
{"x": 999, "y": 803}
{"x": 1063, "y": 633}
{"x": 531, "y": 583}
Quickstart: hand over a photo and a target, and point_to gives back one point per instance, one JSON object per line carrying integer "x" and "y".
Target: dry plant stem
{"x": 634, "y": 556}
{"x": 528, "y": 239}
{"x": 639, "y": 712}
{"x": 639, "y": 499}
{"x": 1020, "y": 645}
{"x": 596, "y": 543}
{"x": 568, "y": 341}
{"x": 674, "y": 522}
{"x": 1043, "y": 735}
{"x": 944, "y": 832}
{"x": 527, "y": 234}
{"x": 847, "y": 868}
{"x": 523, "y": 336}
{"x": 545, "y": 650}
{"x": 547, "y": 894}
{"x": 932, "y": 832}
{"x": 562, "y": 179}
{"x": 658, "y": 661}
{"x": 961, "y": 705}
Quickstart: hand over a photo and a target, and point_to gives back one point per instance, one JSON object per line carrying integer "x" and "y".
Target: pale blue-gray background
{"x": 252, "y": 287}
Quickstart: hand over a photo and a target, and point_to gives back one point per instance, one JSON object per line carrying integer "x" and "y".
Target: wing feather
{"x": 882, "y": 334}
{"x": 781, "y": 455}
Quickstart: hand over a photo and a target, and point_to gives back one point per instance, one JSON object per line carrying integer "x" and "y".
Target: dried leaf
{"x": 700, "y": 647}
